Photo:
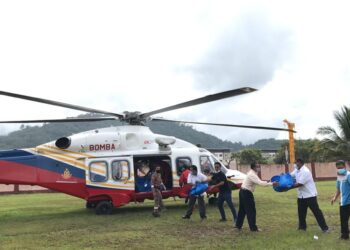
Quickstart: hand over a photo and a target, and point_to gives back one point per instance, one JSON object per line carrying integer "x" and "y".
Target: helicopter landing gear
{"x": 90, "y": 205}
{"x": 104, "y": 207}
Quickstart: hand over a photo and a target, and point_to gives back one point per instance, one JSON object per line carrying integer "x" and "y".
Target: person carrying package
{"x": 196, "y": 180}
{"x": 307, "y": 196}
{"x": 225, "y": 192}
{"x": 246, "y": 198}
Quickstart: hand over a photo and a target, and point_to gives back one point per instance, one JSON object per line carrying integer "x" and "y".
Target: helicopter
{"x": 110, "y": 167}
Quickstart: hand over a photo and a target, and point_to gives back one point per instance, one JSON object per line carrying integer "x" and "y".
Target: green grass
{"x": 58, "y": 221}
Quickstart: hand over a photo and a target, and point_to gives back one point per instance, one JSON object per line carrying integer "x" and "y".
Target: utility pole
{"x": 291, "y": 127}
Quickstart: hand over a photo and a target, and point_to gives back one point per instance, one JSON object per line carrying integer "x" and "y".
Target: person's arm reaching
{"x": 335, "y": 197}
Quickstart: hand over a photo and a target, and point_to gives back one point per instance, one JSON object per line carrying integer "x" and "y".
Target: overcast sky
{"x": 145, "y": 55}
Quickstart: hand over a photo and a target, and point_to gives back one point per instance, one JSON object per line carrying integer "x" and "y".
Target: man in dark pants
{"x": 194, "y": 178}
{"x": 225, "y": 192}
{"x": 343, "y": 190}
{"x": 307, "y": 196}
{"x": 246, "y": 198}
{"x": 157, "y": 188}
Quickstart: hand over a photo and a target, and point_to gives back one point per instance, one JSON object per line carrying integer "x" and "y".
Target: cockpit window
{"x": 223, "y": 168}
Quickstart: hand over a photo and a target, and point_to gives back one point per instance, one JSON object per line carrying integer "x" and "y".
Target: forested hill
{"x": 30, "y": 136}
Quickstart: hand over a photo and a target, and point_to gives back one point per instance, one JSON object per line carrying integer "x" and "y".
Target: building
{"x": 223, "y": 154}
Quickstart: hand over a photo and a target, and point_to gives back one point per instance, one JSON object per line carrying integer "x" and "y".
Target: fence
{"x": 320, "y": 171}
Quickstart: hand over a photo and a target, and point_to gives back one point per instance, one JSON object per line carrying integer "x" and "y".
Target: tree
{"x": 249, "y": 155}
{"x": 308, "y": 150}
{"x": 337, "y": 145}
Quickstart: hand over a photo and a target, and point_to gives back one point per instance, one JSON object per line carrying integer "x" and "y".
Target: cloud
{"x": 247, "y": 53}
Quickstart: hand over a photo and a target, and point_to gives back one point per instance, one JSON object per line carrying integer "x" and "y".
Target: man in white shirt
{"x": 193, "y": 179}
{"x": 246, "y": 198}
{"x": 307, "y": 196}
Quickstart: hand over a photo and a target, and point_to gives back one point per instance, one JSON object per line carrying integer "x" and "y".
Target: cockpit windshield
{"x": 223, "y": 168}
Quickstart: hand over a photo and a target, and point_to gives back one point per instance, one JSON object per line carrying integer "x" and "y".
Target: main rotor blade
{"x": 63, "y": 120}
{"x": 60, "y": 104}
{"x": 208, "y": 98}
{"x": 226, "y": 125}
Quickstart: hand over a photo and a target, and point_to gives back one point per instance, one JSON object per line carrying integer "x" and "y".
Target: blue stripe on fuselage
{"x": 39, "y": 161}
{"x": 13, "y": 153}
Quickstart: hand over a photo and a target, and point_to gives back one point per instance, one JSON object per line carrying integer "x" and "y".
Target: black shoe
{"x": 203, "y": 218}
{"x": 238, "y": 228}
{"x": 185, "y": 217}
{"x": 344, "y": 237}
{"x": 222, "y": 220}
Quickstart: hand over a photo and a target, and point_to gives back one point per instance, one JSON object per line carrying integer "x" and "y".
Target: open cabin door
{"x": 110, "y": 172}
{"x": 144, "y": 167}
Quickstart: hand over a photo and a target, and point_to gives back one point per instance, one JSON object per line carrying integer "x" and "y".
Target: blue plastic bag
{"x": 285, "y": 182}
{"x": 199, "y": 189}
{"x": 143, "y": 184}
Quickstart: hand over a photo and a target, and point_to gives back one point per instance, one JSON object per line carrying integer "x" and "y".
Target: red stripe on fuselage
{"x": 16, "y": 173}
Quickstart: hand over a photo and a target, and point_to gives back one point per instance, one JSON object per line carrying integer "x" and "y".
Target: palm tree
{"x": 337, "y": 146}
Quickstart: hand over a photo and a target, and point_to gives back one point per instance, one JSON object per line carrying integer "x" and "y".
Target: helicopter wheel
{"x": 104, "y": 207}
{"x": 213, "y": 201}
{"x": 90, "y": 205}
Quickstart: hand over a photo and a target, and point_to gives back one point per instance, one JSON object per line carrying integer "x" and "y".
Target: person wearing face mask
{"x": 307, "y": 196}
{"x": 225, "y": 192}
{"x": 343, "y": 190}
{"x": 246, "y": 197}
{"x": 157, "y": 186}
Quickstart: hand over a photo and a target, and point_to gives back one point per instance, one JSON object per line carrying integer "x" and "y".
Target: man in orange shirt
{"x": 184, "y": 176}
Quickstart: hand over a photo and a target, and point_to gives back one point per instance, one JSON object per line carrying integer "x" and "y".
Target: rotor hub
{"x": 134, "y": 118}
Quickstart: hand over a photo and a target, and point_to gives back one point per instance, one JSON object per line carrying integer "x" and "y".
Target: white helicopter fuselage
{"x": 103, "y": 164}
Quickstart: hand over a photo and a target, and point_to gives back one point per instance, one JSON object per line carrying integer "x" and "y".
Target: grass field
{"x": 58, "y": 221}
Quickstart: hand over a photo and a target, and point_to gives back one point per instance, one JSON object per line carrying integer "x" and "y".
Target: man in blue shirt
{"x": 343, "y": 189}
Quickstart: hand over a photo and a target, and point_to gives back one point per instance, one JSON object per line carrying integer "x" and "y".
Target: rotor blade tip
{"x": 249, "y": 89}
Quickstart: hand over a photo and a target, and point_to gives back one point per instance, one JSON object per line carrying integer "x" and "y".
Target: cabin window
{"x": 120, "y": 170}
{"x": 181, "y": 163}
{"x": 98, "y": 171}
{"x": 206, "y": 166}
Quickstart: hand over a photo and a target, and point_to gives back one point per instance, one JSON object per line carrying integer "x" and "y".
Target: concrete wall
{"x": 320, "y": 171}
{"x": 325, "y": 170}
{"x": 5, "y": 189}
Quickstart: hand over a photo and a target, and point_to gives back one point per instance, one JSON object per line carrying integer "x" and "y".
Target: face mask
{"x": 341, "y": 171}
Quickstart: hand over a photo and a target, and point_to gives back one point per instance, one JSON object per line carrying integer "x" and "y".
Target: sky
{"x": 145, "y": 55}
